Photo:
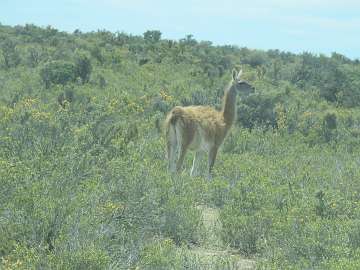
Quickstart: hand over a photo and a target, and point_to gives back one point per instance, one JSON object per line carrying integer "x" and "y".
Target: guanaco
{"x": 202, "y": 128}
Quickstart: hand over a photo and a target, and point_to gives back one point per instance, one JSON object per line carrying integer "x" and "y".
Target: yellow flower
{"x": 307, "y": 114}
{"x": 168, "y": 242}
{"x": 40, "y": 115}
{"x": 29, "y": 102}
{"x": 165, "y": 96}
{"x": 81, "y": 131}
{"x": 114, "y": 102}
{"x": 111, "y": 207}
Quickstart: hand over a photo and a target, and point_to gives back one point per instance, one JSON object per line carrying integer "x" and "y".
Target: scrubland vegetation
{"x": 83, "y": 180}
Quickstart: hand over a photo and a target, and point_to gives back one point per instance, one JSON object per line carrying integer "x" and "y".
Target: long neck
{"x": 229, "y": 106}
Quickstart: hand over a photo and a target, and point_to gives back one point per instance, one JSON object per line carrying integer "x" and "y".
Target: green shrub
{"x": 219, "y": 190}
{"x": 246, "y": 233}
{"x": 311, "y": 243}
{"x": 181, "y": 220}
{"x": 160, "y": 255}
{"x": 58, "y": 72}
{"x": 348, "y": 263}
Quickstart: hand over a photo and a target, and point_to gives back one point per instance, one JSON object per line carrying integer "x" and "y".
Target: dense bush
{"x": 83, "y": 66}
{"x": 58, "y": 72}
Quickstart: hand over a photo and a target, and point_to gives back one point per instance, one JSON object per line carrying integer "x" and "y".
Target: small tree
{"x": 152, "y": 36}
{"x": 58, "y": 72}
{"x": 83, "y": 65}
{"x": 34, "y": 55}
{"x": 10, "y": 55}
{"x": 329, "y": 126}
{"x": 255, "y": 58}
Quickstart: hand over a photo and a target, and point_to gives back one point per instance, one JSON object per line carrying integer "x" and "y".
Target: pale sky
{"x": 317, "y": 26}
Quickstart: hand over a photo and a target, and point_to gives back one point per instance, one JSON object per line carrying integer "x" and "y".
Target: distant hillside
{"x": 192, "y": 72}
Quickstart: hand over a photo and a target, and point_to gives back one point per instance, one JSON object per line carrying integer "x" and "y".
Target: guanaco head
{"x": 240, "y": 85}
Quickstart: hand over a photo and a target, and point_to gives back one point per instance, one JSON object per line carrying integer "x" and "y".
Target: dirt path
{"x": 213, "y": 249}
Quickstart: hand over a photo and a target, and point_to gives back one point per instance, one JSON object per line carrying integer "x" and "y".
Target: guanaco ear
{"x": 234, "y": 74}
{"x": 240, "y": 73}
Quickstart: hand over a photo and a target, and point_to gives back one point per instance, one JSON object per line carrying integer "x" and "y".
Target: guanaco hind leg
{"x": 171, "y": 150}
{"x": 195, "y": 167}
{"x": 211, "y": 161}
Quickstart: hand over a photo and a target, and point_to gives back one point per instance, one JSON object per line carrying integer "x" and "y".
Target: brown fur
{"x": 201, "y": 127}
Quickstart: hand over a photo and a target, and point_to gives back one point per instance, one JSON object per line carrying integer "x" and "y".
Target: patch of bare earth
{"x": 213, "y": 249}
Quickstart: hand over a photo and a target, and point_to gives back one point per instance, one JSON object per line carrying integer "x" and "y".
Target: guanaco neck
{"x": 229, "y": 105}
